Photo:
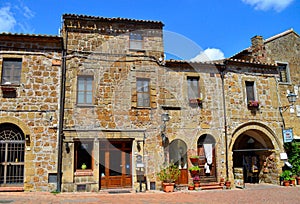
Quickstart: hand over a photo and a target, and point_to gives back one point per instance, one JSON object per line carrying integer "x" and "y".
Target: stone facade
{"x": 118, "y": 86}
{"x": 32, "y": 111}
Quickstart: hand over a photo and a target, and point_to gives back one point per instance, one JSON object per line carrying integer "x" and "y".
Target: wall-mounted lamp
{"x": 292, "y": 99}
{"x": 165, "y": 118}
{"x": 27, "y": 138}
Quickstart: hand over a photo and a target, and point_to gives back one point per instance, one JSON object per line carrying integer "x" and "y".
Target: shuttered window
{"x": 11, "y": 71}
{"x": 250, "y": 91}
{"x": 85, "y": 90}
{"x": 143, "y": 92}
{"x": 136, "y": 41}
{"x": 193, "y": 87}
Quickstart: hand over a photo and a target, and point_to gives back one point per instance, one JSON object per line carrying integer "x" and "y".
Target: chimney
{"x": 258, "y": 49}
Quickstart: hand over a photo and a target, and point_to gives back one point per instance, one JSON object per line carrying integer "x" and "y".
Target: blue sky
{"x": 216, "y": 28}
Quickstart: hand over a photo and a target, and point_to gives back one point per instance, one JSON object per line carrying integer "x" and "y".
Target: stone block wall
{"x": 35, "y": 109}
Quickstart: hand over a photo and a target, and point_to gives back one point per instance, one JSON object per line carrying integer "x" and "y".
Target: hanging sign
{"x": 287, "y": 135}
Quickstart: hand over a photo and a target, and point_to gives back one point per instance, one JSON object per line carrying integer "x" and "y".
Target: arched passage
{"x": 253, "y": 146}
{"x": 12, "y": 154}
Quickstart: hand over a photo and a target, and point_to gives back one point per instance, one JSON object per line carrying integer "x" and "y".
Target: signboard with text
{"x": 287, "y": 135}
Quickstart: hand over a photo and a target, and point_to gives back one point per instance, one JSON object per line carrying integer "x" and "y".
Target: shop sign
{"x": 287, "y": 135}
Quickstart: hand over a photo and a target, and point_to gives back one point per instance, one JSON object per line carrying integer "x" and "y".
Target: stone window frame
{"x": 286, "y": 72}
{"x": 198, "y": 94}
{"x": 18, "y": 61}
{"x": 83, "y": 155}
{"x": 85, "y": 103}
{"x": 136, "y": 41}
{"x": 255, "y": 96}
{"x": 142, "y": 92}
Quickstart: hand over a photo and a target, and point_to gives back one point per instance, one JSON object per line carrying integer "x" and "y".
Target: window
{"x": 136, "y": 41}
{"x": 143, "y": 92}
{"x": 11, "y": 71}
{"x": 250, "y": 91}
{"x": 85, "y": 90}
{"x": 83, "y": 154}
{"x": 193, "y": 87}
{"x": 283, "y": 70}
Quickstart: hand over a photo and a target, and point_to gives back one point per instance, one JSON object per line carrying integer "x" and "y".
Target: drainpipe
{"x": 61, "y": 116}
{"x": 222, "y": 73}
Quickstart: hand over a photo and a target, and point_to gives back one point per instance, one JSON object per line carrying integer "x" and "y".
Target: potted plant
{"x": 191, "y": 186}
{"x": 227, "y": 183}
{"x": 194, "y": 159}
{"x": 168, "y": 175}
{"x": 194, "y": 170}
{"x": 196, "y": 180}
{"x": 286, "y": 176}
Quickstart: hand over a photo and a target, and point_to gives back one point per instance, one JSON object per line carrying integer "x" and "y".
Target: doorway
{"x": 207, "y": 158}
{"x": 115, "y": 164}
{"x": 12, "y": 146}
{"x": 178, "y": 156}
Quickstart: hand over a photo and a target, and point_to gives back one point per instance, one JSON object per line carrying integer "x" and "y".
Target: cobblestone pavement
{"x": 258, "y": 193}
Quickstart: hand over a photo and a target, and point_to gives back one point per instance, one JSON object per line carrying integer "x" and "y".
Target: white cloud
{"x": 7, "y": 20}
{"x": 277, "y": 5}
{"x": 208, "y": 55}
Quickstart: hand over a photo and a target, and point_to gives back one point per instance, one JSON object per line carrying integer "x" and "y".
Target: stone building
{"x": 29, "y": 111}
{"x": 111, "y": 105}
{"x": 282, "y": 49}
{"x": 100, "y": 108}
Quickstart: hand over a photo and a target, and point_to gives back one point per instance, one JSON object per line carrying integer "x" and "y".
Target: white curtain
{"x": 208, "y": 153}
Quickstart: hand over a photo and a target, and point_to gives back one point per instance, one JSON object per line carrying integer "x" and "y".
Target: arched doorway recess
{"x": 207, "y": 155}
{"x": 253, "y": 150}
{"x": 178, "y": 156}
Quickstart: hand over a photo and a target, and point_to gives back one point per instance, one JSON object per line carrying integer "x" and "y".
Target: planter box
{"x": 168, "y": 187}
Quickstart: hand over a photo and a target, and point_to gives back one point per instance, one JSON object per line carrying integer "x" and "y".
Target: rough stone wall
{"x": 266, "y": 117}
{"x": 287, "y": 49}
{"x": 35, "y": 108}
{"x": 114, "y": 114}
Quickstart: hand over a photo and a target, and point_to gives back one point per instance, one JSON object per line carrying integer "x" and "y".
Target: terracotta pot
{"x": 191, "y": 188}
{"x": 293, "y": 182}
{"x": 168, "y": 187}
{"x": 197, "y": 183}
{"x": 228, "y": 184}
{"x": 286, "y": 183}
{"x": 298, "y": 180}
{"x": 193, "y": 173}
{"x": 194, "y": 161}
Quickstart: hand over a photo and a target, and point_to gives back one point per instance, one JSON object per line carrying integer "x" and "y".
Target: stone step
{"x": 211, "y": 186}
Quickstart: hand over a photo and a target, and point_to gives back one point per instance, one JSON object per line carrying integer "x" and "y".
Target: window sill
{"x": 85, "y": 105}
{"x": 136, "y": 50}
{"x": 87, "y": 172}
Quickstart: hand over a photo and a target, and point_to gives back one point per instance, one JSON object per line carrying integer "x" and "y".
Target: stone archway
{"x": 252, "y": 145}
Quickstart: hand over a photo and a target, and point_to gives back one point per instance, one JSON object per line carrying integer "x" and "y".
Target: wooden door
{"x": 115, "y": 164}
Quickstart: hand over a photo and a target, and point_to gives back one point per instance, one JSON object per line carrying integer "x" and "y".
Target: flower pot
{"x": 168, "y": 187}
{"x": 293, "y": 182}
{"x": 286, "y": 183}
{"x": 194, "y": 172}
{"x": 196, "y": 183}
{"x": 191, "y": 188}
{"x": 194, "y": 161}
{"x": 227, "y": 184}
